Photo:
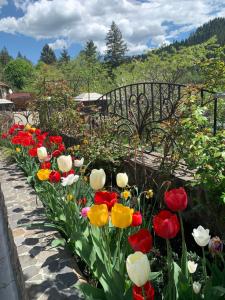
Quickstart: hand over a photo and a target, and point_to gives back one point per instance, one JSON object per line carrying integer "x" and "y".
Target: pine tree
{"x": 19, "y": 55}
{"x": 90, "y": 51}
{"x": 4, "y": 57}
{"x": 64, "y": 56}
{"x": 47, "y": 55}
{"x": 116, "y": 47}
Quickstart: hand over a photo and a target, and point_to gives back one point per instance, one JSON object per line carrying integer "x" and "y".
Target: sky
{"x": 27, "y": 25}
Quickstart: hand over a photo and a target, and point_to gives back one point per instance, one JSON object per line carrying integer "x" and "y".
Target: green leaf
{"x": 62, "y": 218}
{"x": 90, "y": 292}
{"x": 58, "y": 242}
{"x": 154, "y": 275}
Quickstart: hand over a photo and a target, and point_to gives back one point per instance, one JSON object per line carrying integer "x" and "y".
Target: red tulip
{"x": 61, "y": 148}
{"x": 38, "y": 131}
{"x": 176, "y": 199}
{"x": 56, "y": 153}
{"x": 149, "y": 292}
{"x": 4, "y": 136}
{"x": 65, "y": 174}
{"x": 166, "y": 224}
{"x": 108, "y": 198}
{"x": 46, "y": 165}
{"x": 136, "y": 219}
{"x": 33, "y": 152}
{"x": 55, "y": 139}
{"x": 141, "y": 241}
{"x": 54, "y": 177}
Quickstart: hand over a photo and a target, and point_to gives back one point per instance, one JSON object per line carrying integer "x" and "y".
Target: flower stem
{"x": 204, "y": 263}
{"x": 143, "y": 292}
{"x": 184, "y": 248}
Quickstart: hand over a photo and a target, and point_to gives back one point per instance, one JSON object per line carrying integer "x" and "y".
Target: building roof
{"x": 4, "y": 84}
{"x": 4, "y": 101}
{"x": 20, "y": 96}
{"x": 87, "y": 97}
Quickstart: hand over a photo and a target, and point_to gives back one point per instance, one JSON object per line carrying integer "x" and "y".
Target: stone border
{"x": 41, "y": 272}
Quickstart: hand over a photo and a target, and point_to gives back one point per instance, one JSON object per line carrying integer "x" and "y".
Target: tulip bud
{"x": 192, "y": 266}
{"x": 138, "y": 268}
{"x": 201, "y": 236}
{"x": 122, "y": 180}
{"x": 215, "y": 245}
{"x": 97, "y": 179}
{"x": 79, "y": 162}
{"x": 64, "y": 163}
{"x": 197, "y": 287}
{"x": 42, "y": 153}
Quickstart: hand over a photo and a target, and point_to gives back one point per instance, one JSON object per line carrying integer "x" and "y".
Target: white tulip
{"x": 201, "y": 236}
{"x": 79, "y": 162}
{"x": 197, "y": 287}
{"x": 64, "y": 163}
{"x": 97, "y": 179}
{"x": 192, "y": 266}
{"x": 42, "y": 153}
{"x": 138, "y": 268}
{"x": 70, "y": 179}
{"x": 122, "y": 180}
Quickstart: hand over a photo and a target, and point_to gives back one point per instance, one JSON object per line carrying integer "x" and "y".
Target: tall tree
{"x": 19, "y": 55}
{"x": 47, "y": 55}
{"x": 4, "y": 57}
{"x": 64, "y": 56}
{"x": 116, "y": 46}
{"x": 90, "y": 51}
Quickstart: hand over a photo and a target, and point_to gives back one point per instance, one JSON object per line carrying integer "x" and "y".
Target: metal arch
{"x": 161, "y": 101}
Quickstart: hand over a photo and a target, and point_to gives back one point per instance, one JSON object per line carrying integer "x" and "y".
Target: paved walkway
{"x": 49, "y": 273}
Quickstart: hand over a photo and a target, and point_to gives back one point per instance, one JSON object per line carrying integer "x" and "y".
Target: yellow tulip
{"x": 27, "y": 127}
{"x": 18, "y": 150}
{"x": 126, "y": 194}
{"x": 121, "y": 215}
{"x": 70, "y": 197}
{"x": 98, "y": 215}
{"x": 43, "y": 174}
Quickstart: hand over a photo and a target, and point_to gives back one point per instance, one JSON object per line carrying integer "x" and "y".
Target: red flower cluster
{"x": 166, "y": 224}
{"x": 46, "y": 165}
{"x": 33, "y": 152}
{"x": 108, "y": 198}
{"x": 55, "y": 139}
{"x": 149, "y": 292}
{"x": 141, "y": 241}
{"x": 176, "y": 199}
{"x": 23, "y": 138}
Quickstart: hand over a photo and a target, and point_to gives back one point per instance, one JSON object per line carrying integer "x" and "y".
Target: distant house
{"x": 89, "y": 100}
{"x": 21, "y": 100}
{"x": 4, "y": 90}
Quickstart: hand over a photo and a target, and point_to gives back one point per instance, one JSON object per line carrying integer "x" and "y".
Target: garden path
{"x": 48, "y": 273}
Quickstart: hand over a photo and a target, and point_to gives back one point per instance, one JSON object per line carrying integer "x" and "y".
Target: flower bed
{"x": 117, "y": 236}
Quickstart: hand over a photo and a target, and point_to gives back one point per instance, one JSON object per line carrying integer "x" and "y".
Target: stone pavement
{"x": 48, "y": 273}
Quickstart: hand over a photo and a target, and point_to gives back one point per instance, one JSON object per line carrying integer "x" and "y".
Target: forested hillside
{"x": 197, "y": 60}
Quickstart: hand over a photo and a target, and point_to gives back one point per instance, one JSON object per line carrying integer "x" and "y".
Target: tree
{"x": 116, "y": 47}
{"x": 18, "y": 72}
{"x": 64, "y": 56}
{"x": 47, "y": 55}
{"x": 90, "y": 51}
{"x": 19, "y": 55}
{"x": 4, "y": 57}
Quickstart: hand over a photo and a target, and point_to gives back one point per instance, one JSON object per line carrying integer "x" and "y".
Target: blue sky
{"x": 26, "y": 25}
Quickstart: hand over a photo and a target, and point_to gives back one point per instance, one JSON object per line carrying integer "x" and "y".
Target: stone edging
{"x": 41, "y": 272}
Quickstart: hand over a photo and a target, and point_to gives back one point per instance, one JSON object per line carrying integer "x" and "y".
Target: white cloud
{"x": 58, "y": 44}
{"x": 3, "y": 2}
{"x": 141, "y": 22}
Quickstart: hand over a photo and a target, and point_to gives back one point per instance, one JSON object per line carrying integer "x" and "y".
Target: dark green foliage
{"x": 116, "y": 47}
{"x": 4, "y": 57}
{"x": 90, "y": 51}
{"x": 64, "y": 56}
{"x": 47, "y": 55}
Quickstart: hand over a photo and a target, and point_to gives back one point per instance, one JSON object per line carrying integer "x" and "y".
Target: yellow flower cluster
{"x": 121, "y": 216}
{"x": 149, "y": 194}
{"x": 18, "y": 150}
{"x": 43, "y": 174}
